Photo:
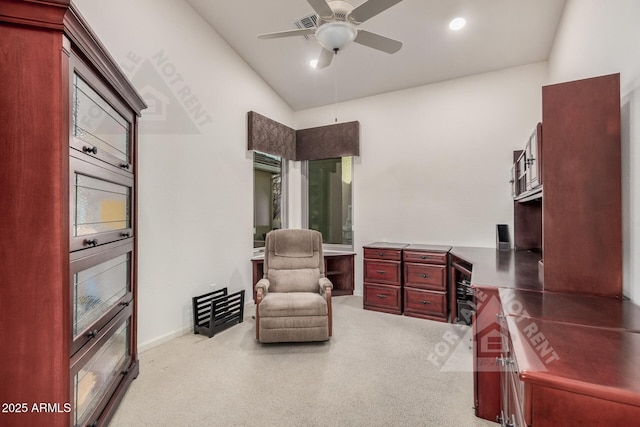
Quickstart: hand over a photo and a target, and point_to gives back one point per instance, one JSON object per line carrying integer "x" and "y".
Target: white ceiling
{"x": 499, "y": 34}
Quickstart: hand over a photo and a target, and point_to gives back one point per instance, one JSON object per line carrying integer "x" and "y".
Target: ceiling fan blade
{"x": 325, "y": 58}
{"x": 377, "y": 41}
{"x": 322, "y": 8}
{"x": 371, "y": 8}
{"x": 288, "y": 33}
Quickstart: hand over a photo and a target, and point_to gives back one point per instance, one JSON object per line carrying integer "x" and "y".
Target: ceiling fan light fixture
{"x": 457, "y": 24}
{"x": 335, "y": 36}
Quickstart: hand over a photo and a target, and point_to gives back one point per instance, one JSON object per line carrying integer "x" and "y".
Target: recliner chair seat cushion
{"x": 292, "y": 304}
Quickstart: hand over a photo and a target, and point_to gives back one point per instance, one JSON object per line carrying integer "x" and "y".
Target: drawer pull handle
{"x": 125, "y": 234}
{"x": 125, "y": 304}
{"x": 90, "y": 150}
{"x": 380, "y": 253}
{"x": 425, "y": 257}
{"x": 92, "y": 334}
{"x": 92, "y": 242}
{"x": 125, "y": 372}
{"x": 125, "y": 165}
{"x": 381, "y": 296}
{"x": 500, "y": 361}
{"x": 425, "y": 302}
{"x": 380, "y": 271}
{"x": 425, "y": 276}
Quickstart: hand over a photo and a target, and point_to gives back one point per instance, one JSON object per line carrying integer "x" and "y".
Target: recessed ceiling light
{"x": 457, "y": 24}
{"x": 313, "y": 63}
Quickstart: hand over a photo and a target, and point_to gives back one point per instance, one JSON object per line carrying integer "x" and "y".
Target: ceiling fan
{"x": 337, "y": 23}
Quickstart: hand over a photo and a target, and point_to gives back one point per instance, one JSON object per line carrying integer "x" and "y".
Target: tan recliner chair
{"x": 294, "y": 297}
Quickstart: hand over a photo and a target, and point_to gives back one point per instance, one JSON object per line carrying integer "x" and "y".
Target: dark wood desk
{"x": 597, "y": 339}
{"x": 566, "y": 374}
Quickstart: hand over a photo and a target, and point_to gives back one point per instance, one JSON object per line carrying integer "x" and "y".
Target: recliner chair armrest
{"x": 324, "y": 283}
{"x": 264, "y": 285}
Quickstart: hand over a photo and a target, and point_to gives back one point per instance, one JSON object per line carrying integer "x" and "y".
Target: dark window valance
{"x": 323, "y": 142}
{"x": 271, "y": 137}
{"x": 327, "y": 142}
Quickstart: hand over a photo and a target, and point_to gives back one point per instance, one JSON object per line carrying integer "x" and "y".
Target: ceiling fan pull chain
{"x": 335, "y": 69}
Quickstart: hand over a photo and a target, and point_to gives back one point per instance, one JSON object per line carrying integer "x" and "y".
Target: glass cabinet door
{"x": 96, "y": 374}
{"x": 101, "y": 126}
{"x": 532, "y": 161}
{"x": 100, "y": 205}
{"x": 100, "y": 287}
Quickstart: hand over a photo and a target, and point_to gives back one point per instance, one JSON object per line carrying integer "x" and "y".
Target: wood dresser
{"x": 408, "y": 279}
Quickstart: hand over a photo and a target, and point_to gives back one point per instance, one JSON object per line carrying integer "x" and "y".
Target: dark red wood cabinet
{"x": 382, "y": 281}
{"x": 425, "y": 282}
{"x": 582, "y": 207}
{"x": 68, "y": 146}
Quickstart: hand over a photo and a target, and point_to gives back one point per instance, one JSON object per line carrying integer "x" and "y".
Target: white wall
{"x": 196, "y": 176}
{"x": 435, "y": 161}
{"x": 602, "y": 37}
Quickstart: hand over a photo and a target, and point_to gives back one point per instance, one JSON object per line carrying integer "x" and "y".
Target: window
{"x": 329, "y": 199}
{"x": 268, "y": 197}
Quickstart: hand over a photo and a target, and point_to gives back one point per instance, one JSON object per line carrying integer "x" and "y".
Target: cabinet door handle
{"x": 425, "y": 302}
{"x": 125, "y": 303}
{"x": 90, "y": 150}
{"x": 381, "y": 296}
{"x": 92, "y": 334}
{"x": 499, "y": 316}
{"x": 425, "y": 276}
{"x": 500, "y": 361}
{"x": 380, "y": 271}
{"x": 91, "y": 242}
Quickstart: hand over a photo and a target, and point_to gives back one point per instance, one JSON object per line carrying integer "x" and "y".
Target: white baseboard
{"x": 147, "y": 345}
{"x": 249, "y": 310}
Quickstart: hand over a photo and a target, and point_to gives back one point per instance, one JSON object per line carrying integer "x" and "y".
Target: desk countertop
{"x": 501, "y": 269}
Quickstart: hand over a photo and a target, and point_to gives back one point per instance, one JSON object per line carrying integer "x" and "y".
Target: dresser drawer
{"x": 386, "y": 254}
{"x": 425, "y": 257}
{"x": 388, "y": 272}
{"x": 427, "y": 304}
{"x": 425, "y": 276}
{"x": 383, "y": 298}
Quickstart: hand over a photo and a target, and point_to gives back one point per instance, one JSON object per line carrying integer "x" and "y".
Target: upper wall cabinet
{"x": 582, "y": 207}
{"x": 577, "y": 224}
{"x": 526, "y": 172}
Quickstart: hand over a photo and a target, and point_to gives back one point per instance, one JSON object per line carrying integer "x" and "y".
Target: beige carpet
{"x": 376, "y": 370}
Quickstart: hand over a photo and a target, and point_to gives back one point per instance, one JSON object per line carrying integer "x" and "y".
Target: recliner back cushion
{"x": 298, "y": 280}
{"x": 285, "y": 263}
